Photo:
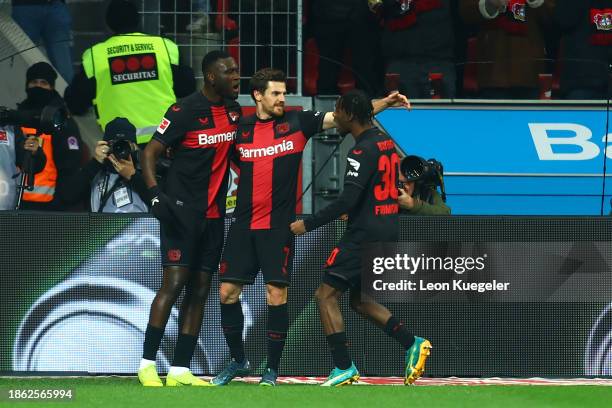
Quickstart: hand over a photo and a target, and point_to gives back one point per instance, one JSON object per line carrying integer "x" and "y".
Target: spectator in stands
{"x": 62, "y": 148}
{"x": 14, "y": 148}
{"x": 112, "y": 181}
{"x": 511, "y": 47}
{"x": 418, "y": 188}
{"x": 130, "y": 75}
{"x": 586, "y": 48}
{"x": 49, "y": 22}
{"x": 417, "y": 41}
{"x": 264, "y": 29}
{"x": 200, "y": 17}
{"x": 341, "y": 24}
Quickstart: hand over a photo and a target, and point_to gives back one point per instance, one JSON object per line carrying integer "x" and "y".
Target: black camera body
{"x": 415, "y": 168}
{"x": 120, "y": 148}
{"x": 49, "y": 119}
{"x": 424, "y": 172}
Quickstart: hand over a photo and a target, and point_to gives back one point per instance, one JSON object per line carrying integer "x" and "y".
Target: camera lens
{"x": 121, "y": 149}
{"x": 412, "y": 167}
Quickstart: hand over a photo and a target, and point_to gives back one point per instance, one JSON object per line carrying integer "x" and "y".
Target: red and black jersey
{"x": 270, "y": 153}
{"x": 202, "y": 135}
{"x": 373, "y": 165}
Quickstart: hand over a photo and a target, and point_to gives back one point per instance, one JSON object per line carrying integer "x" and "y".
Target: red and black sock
{"x": 232, "y": 322}
{"x": 339, "y": 350}
{"x": 153, "y": 338}
{"x": 396, "y": 329}
{"x": 278, "y": 325}
{"x": 184, "y": 350}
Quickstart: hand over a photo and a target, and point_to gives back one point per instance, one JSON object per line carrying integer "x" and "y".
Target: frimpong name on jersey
{"x": 133, "y": 68}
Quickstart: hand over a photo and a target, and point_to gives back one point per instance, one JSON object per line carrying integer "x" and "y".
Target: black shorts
{"x": 248, "y": 251}
{"x": 343, "y": 268}
{"x": 192, "y": 241}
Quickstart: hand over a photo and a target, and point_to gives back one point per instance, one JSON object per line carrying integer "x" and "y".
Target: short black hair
{"x": 122, "y": 16}
{"x": 211, "y": 58}
{"x": 260, "y": 79}
{"x": 357, "y": 104}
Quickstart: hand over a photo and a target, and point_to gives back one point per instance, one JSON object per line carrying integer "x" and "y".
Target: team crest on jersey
{"x": 163, "y": 126}
{"x": 133, "y": 68}
{"x": 282, "y": 128}
{"x": 602, "y": 19}
{"x": 4, "y": 140}
{"x": 405, "y": 5}
{"x": 234, "y": 116}
{"x": 517, "y": 8}
{"x": 174, "y": 255}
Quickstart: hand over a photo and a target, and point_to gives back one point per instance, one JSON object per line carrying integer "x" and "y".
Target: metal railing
{"x": 258, "y": 33}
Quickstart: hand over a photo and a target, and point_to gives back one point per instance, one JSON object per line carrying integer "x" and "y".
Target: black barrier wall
{"x": 76, "y": 292}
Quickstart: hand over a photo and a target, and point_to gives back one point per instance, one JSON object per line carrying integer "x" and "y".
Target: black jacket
{"x": 67, "y": 155}
{"x": 430, "y": 38}
{"x": 584, "y": 65}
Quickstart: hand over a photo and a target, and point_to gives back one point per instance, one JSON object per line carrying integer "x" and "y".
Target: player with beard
{"x": 190, "y": 207}
{"x": 369, "y": 198}
{"x": 270, "y": 146}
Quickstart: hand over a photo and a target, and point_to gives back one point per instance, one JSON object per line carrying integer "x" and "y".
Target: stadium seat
{"x": 470, "y": 70}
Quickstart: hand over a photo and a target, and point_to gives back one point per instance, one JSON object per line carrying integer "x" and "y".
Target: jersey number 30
{"x": 389, "y": 166}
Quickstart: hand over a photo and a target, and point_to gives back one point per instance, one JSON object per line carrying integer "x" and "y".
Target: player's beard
{"x": 276, "y": 112}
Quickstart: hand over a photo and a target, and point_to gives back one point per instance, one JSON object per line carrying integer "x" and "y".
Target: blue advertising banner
{"x": 512, "y": 160}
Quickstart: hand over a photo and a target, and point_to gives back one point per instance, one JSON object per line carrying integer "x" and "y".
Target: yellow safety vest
{"x": 133, "y": 80}
{"x": 46, "y": 180}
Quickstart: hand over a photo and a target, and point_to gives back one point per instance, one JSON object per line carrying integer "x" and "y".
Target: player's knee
{"x": 201, "y": 288}
{"x": 172, "y": 288}
{"x": 356, "y": 305}
{"x": 275, "y": 295}
{"x": 200, "y": 293}
{"x": 229, "y": 293}
{"x": 324, "y": 295}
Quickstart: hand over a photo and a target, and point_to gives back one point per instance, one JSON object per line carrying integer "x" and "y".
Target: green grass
{"x": 126, "y": 392}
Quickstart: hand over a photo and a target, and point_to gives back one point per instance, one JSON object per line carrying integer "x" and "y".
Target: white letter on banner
{"x": 608, "y": 149}
{"x": 543, "y": 143}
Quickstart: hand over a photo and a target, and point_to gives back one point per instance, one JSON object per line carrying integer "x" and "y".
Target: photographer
{"x": 62, "y": 146}
{"x": 111, "y": 181}
{"x": 418, "y": 187}
{"x": 14, "y": 151}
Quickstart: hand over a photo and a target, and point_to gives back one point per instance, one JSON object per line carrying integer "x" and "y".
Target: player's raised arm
{"x": 394, "y": 99}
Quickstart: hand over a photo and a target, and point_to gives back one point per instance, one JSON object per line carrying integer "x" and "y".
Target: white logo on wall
{"x": 580, "y": 137}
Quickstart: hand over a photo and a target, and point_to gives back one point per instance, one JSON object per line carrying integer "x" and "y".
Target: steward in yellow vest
{"x": 131, "y": 75}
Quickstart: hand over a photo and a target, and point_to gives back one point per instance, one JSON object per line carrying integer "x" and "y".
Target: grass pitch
{"x": 126, "y": 392}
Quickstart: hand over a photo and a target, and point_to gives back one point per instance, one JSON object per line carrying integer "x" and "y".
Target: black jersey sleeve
{"x": 361, "y": 164}
{"x": 311, "y": 122}
{"x": 171, "y": 130}
{"x": 342, "y": 205}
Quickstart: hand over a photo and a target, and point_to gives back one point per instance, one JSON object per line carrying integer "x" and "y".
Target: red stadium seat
{"x": 470, "y": 70}
{"x": 346, "y": 81}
